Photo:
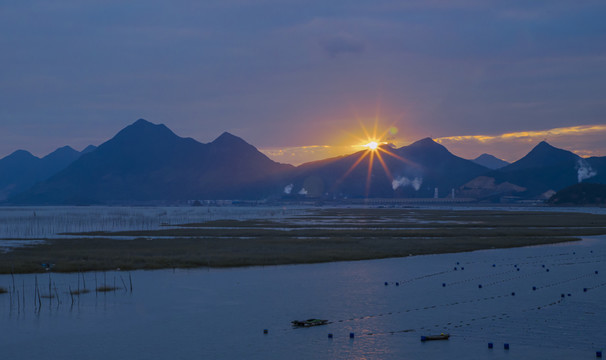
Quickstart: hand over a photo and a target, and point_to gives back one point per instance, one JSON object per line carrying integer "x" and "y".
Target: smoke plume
{"x": 404, "y": 181}
{"x": 584, "y": 170}
{"x": 288, "y": 189}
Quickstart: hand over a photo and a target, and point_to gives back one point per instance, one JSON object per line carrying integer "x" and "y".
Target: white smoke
{"x": 303, "y": 191}
{"x": 288, "y": 189}
{"x": 404, "y": 181}
{"x": 584, "y": 170}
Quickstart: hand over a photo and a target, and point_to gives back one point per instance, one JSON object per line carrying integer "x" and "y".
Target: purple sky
{"x": 300, "y": 79}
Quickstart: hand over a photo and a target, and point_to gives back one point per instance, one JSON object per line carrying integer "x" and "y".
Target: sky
{"x": 305, "y": 80}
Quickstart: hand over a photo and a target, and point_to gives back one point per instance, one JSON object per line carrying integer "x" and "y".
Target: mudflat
{"x": 318, "y": 235}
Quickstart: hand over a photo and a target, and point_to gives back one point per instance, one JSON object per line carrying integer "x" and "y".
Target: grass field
{"x": 319, "y": 235}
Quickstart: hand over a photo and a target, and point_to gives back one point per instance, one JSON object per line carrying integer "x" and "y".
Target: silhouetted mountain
{"x": 543, "y": 156}
{"x": 580, "y": 194}
{"x": 490, "y": 161}
{"x": 543, "y": 171}
{"x": 411, "y": 171}
{"x": 597, "y": 169}
{"x": 88, "y": 149}
{"x": 147, "y": 162}
{"x": 20, "y": 170}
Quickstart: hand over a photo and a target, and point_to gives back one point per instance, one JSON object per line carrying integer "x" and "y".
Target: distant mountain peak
{"x": 428, "y": 144}
{"x": 143, "y": 129}
{"x": 62, "y": 152}
{"x": 425, "y": 142}
{"x": 490, "y": 161}
{"x": 544, "y": 145}
{"x": 142, "y": 122}
{"x": 21, "y": 154}
{"x": 228, "y": 139}
{"x": 88, "y": 149}
{"x": 543, "y": 155}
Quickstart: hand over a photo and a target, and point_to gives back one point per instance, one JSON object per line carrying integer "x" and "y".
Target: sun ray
{"x": 397, "y": 156}
{"x": 369, "y": 173}
{"x": 385, "y": 168}
{"x": 352, "y": 167}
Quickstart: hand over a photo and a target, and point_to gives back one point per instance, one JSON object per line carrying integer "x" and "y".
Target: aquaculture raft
{"x": 435, "y": 337}
{"x": 308, "y": 322}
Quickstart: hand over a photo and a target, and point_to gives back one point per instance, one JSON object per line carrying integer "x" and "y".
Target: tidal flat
{"x": 278, "y": 236}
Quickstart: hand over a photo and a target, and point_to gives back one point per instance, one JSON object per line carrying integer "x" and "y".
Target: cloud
{"x": 583, "y": 140}
{"x": 297, "y": 155}
{"x": 342, "y": 44}
{"x": 571, "y": 130}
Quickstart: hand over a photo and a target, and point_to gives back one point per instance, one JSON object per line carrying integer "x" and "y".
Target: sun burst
{"x": 374, "y": 146}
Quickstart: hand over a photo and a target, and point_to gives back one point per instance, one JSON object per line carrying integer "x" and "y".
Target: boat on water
{"x": 435, "y": 337}
{"x": 308, "y": 322}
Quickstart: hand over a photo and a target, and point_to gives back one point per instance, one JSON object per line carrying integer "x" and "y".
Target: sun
{"x": 373, "y": 145}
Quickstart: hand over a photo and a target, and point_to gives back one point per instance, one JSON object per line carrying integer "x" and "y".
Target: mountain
{"x": 543, "y": 155}
{"x": 538, "y": 175}
{"x": 145, "y": 162}
{"x": 490, "y": 161}
{"x": 410, "y": 171}
{"x": 20, "y": 170}
{"x": 580, "y": 194}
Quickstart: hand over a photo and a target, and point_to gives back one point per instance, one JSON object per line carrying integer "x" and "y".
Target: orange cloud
{"x": 584, "y": 140}
{"x": 531, "y": 135}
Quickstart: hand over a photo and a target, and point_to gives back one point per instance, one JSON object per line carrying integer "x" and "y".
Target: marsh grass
{"x": 79, "y": 292}
{"x": 328, "y": 236}
{"x": 106, "y": 288}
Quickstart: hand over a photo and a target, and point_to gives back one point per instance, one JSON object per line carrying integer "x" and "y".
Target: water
{"x": 221, "y": 313}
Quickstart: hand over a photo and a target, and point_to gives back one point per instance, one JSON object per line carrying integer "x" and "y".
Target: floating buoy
{"x": 543, "y": 265}
{"x": 562, "y": 296}
{"x": 455, "y": 268}
{"x": 386, "y": 283}
{"x": 506, "y": 346}
{"x": 330, "y": 335}
{"x": 457, "y": 263}
{"x": 462, "y": 268}
{"x": 397, "y": 284}
{"x": 596, "y": 271}
{"x": 443, "y": 284}
{"x": 598, "y": 354}
{"x": 547, "y": 270}
{"x": 569, "y": 294}
{"x": 534, "y": 288}
{"x": 584, "y": 289}
{"x": 351, "y": 335}
{"x": 480, "y": 286}
{"x": 513, "y": 294}
{"x": 265, "y": 331}
{"x": 490, "y": 345}
{"x": 518, "y": 269}
{"x": 494, "y": 265}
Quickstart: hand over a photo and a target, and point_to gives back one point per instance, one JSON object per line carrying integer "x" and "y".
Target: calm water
{"x": 221, "y": 314}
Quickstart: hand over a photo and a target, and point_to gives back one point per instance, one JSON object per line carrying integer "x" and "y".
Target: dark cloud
{"x": 342, "y": 44}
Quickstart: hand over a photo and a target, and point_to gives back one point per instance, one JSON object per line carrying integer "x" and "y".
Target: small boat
{"x": 308, "y": 322}
{"x": 435, "y": 337}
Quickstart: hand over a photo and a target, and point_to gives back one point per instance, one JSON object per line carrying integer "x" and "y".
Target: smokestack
{"x": 435, "y": 193}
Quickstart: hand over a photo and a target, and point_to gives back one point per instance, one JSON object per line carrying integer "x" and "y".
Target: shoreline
{"x": 318, "y": 235}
